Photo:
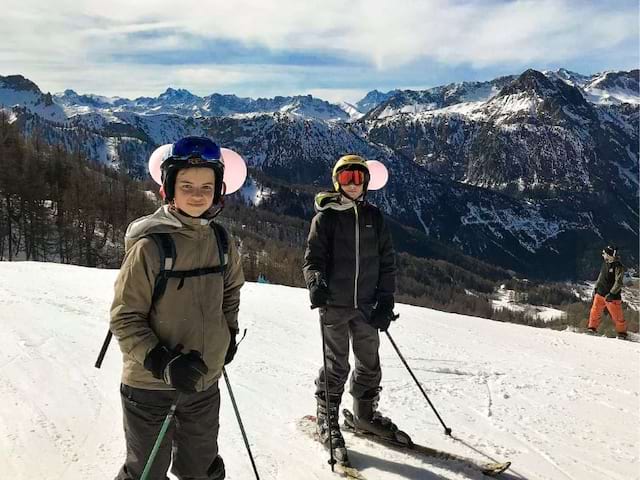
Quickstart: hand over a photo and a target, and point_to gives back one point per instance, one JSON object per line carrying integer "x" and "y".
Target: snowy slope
{"x": 559, "y": 405}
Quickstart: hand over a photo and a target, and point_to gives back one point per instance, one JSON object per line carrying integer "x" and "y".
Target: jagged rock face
{"x": 410, "y": 101}
{"x": 536, "y": 135}
{"x": 373, "y": 99}
{"x": 18, "y": 83}
{"x": 526, "y": 172}
{"x": 615, "y": 87}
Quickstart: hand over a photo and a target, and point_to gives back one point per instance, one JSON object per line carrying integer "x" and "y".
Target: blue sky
{"x": 332, "y": 49}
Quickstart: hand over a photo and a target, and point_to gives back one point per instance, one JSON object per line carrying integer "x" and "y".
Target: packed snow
{"x": 559, "y": 405}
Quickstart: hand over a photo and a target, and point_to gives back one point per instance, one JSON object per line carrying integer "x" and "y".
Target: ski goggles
{"x": 195, "y": 150}
{"x": 345, "y": 177}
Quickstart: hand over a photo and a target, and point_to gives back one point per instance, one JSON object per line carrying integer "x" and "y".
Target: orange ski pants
{"x": 615, "y": 310}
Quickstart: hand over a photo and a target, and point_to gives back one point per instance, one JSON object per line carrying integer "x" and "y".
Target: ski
{"x": 307, "y": 424}
{"x": 630, "y": 337}
{"x": 489, "y": 469}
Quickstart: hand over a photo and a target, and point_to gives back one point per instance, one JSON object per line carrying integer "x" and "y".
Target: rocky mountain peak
{"x": 18, "y": 83}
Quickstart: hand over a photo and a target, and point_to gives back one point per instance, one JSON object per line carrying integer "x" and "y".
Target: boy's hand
{"x": 179, "y": 370}
{"x": 233, "y": 346}
{"x": 318, "y": 291}
{"x": 382, "y": 314}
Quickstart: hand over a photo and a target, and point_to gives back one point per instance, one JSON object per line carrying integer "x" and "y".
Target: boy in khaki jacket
{"x": 177, "y": 343}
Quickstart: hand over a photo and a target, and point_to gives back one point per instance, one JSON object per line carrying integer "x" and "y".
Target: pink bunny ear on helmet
{"x": 235, "y": 170}
{"x": 158, "y": 156}
{"x": 378, "y": 173}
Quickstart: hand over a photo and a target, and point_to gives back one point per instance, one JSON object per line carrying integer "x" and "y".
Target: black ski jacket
{"x": 610, "y": 280}
{"x": 350, "y": 245}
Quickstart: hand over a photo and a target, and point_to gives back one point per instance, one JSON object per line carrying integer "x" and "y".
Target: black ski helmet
{"x": 190, "y": 152}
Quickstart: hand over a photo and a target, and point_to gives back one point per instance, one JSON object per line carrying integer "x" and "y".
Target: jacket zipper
{"x": 355, "y": 288}
{"x": 202, "y": 234}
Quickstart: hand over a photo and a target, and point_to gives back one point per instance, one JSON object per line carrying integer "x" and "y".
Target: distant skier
{"x": 177, "y": 331}
{"x": 350, "y": 271}
{"x": 607, "y": 293}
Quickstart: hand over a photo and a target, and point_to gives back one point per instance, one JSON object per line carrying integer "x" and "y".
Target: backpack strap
{"x": 223, "y": 243}
{"x": 168, "y": 255}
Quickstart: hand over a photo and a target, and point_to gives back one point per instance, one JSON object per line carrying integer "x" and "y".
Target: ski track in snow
{"x": 559, "y": 405}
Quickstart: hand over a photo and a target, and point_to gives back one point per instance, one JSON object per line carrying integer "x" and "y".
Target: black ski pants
{"x": 342, "y": 324}
{"x": 191, "y": 440}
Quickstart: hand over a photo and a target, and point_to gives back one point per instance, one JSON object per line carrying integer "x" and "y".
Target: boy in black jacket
{"x": 350, "y": 271}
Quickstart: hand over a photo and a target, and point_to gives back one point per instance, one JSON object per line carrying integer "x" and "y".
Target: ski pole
{"x": 163, "y": 431}
{"x": 447, "y": 430}
{"x": 332, "y": 460}
{"x": 244, "y": 434}
{"x": 103, "y": 350}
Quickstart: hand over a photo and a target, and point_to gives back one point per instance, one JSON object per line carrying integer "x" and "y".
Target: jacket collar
{"x": 334, "y": 201}
{"x": 188, "y": 220}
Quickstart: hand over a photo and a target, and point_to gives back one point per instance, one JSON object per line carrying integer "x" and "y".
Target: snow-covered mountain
{"x": 183, "y": 103}
{"x": 606, "y": 87}
{"x": 507, "y": 391}
{"x": 615, "y": 87}
{"x": 17, "y": 92}
{"x": 416, "y": 101}
{"x": 602, "y": 88}
{"x": 524, "y": 171}
{"x": 536, "y": 133}
{"x": 352, "y": 110}
{"x": 373, "y": 99}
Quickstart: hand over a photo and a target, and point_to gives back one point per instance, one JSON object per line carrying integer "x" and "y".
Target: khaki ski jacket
{"x": 197, "y": 314}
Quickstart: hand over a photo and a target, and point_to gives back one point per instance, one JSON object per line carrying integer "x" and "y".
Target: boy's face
{"x": 194, "y": 190}
{"x": 352, "y": 191}
{"x": 607, "y": 258}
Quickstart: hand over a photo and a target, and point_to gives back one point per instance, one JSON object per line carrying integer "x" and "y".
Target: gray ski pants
{"x": 192, "y": 438}
{"x": 342, "y": 323}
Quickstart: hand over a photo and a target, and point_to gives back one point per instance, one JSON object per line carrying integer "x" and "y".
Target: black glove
{"x": 181, "y": 371}
{"x": 233, "y": 346}
{"x": 382, "y": 314}
{"x": 318, "y": 291}
{"x": 609, "y": 297}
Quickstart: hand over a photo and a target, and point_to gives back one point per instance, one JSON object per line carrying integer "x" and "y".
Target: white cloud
{"x": 83, "y": 37}
{"x": 133, "y": 80}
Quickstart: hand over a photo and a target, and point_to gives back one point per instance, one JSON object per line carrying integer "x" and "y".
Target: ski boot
{"x": 368, "y": 419}
{"x": 329, "y": 413}
{"x": 621, "y": 335}
{"x": 216, "y": 469}
{"x": 592, "y": 331}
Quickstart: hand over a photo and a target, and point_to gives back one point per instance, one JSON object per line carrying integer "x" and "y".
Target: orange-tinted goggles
{"x": 345, "y": 177}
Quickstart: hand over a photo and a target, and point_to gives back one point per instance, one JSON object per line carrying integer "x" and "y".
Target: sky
{"x": 332, "y": 49}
